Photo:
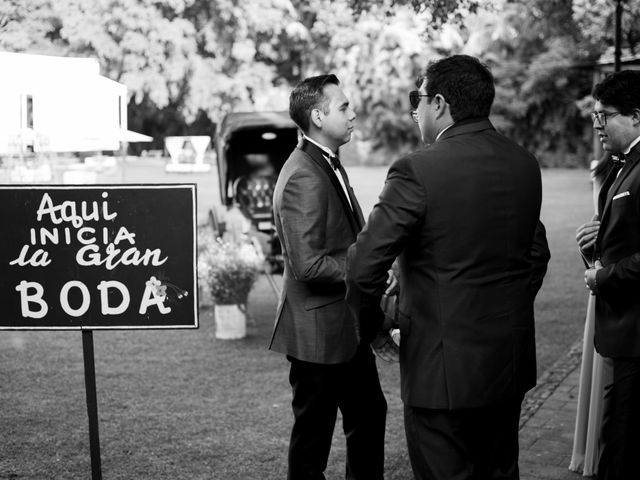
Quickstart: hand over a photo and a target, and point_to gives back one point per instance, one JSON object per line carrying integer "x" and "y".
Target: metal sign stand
{"x": 92, "y": 403}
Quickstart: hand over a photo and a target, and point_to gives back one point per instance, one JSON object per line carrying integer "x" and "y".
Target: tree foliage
{"x": 596, "y": 21}
{"x": 441, "y": 12}
{"x": 539, "y": 84}
{"x": 186, "y": 63}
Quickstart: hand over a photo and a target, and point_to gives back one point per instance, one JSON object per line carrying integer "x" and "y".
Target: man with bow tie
{"x": 332, "y": 366}
{"x": 612, "y": 244}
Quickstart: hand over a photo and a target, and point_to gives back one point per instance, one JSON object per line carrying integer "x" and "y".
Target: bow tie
{"x": 619, "y": 159}
{"x": 335, "y": 161}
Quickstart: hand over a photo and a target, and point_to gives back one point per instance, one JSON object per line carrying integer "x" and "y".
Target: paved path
{"x": 548, "y": 419}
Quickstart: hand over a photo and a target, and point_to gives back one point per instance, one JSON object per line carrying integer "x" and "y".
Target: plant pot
{"x": 231, "y": 322}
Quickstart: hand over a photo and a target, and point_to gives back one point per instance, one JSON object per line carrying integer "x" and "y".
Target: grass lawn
{"x": 182, "y": 405}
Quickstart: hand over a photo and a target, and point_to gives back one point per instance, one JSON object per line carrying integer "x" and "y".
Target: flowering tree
{"x": 187, "y": 63}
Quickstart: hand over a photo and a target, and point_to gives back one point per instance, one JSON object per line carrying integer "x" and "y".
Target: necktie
{"x": 335, "y": 162}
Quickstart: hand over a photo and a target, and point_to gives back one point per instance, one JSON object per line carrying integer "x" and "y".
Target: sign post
{"x": 80, "y": 257}
{"x": 92, "y": 403}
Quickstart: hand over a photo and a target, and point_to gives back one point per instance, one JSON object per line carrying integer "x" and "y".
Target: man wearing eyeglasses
{"x": 612, "y": 244}
{"x": 462, "y": 216}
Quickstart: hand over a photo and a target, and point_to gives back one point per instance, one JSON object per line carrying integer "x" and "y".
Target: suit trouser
{"x": 620, "y": 433}
{"x": 318, "y": 391}
{"x": 466, "y": 444}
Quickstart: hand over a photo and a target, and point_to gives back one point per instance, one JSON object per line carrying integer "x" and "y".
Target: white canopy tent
{"x": 60, "y": 104}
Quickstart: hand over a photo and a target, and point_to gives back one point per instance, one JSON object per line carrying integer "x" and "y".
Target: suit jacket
{"x": 463, "y": 217}
{"x": 617, "y": 325}
{"x": 315, "y": 225}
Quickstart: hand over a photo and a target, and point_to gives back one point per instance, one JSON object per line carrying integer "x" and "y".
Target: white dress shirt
{"x": 329, "y": 153}
{"x": 443, "y": 130}
{"x": 626, "y": 152}
{"x": 631, "y": 145}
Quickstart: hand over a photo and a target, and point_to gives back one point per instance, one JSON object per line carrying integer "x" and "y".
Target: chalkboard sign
{"x": 98, "y": 257}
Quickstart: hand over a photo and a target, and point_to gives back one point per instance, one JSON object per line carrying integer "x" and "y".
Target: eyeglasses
{"x": 414, "y": 98}
{"x": 601, "y": 117}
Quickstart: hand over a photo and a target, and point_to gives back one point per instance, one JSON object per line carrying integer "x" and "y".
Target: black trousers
{"x": 466, "y": 444}
{"x": 620, "y": 434}
{"x": 318, "y": 392}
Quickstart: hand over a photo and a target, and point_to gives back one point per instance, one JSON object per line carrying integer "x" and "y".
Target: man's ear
{"x": 635, "y": 116}
{"x": 316, "y": 117}
{"x": 441, "y": 104}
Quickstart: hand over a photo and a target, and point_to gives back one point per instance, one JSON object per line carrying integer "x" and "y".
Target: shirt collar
{"x": 443, "y": 130}
{"x": 326, "y": 150}
{"x": 631, "y": 145}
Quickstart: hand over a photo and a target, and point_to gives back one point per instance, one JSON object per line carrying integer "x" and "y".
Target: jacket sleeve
{"x": 540, "y": 256}
{"x": 303, "y": 216}
{"x": 616, "y": 278}
{"x": 623, "y": 276}
{"x": 401, "y": 206}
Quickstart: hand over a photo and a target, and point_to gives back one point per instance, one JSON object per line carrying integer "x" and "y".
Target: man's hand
{"x": 586, "y": 234}
{"x": 393, "y": 285}
{"x": 385, "y": 348}
{"x": 590, "y": 277}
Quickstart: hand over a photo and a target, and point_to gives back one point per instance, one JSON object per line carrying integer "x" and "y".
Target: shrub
{"x": 228, "y": 270}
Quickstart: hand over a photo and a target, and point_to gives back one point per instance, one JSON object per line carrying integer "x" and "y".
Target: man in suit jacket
{"x": 462, "y": 215}
{"x": 317, "y": 217}
{"x": 613, "y": 245}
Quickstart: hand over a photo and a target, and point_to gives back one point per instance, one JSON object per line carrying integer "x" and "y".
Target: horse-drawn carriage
{"x": 251, "y": 148}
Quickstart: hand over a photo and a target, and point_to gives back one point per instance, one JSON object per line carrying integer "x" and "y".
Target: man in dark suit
{"x": 462, "y": 215}
{"x": 317, "y": 217}
{"x": 613, "y": 245}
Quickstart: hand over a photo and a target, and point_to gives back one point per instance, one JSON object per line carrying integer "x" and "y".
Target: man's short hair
{"x": 307, "y": 95}
{"x": 620, "y": 90}
{"x": 464, "y": 82}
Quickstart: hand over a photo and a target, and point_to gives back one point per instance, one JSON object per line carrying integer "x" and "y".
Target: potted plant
{"x": 228, "y": 270}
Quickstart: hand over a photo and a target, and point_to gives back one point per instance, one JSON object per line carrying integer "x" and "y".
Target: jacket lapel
{"x": 606, "y": 196}
{"x": 609, "y": 190}
{"x": 317, "y": 156}
{"x": 356, "y": 210}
